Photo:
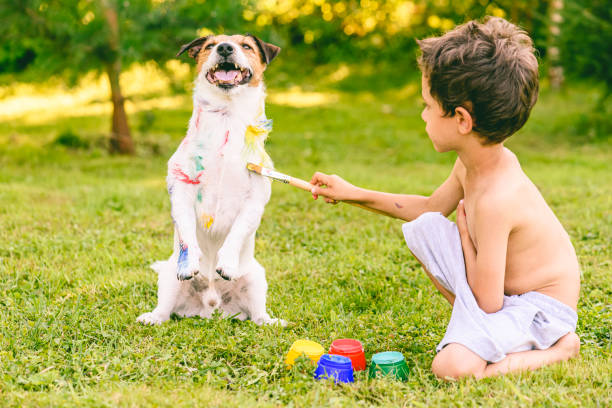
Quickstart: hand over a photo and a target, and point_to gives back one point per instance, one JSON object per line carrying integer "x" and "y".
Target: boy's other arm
{"x": 404, "y": 206}
{"x": 486, "y": 266}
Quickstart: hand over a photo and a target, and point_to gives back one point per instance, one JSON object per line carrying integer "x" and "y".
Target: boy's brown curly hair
{"x": 489, "y": 69}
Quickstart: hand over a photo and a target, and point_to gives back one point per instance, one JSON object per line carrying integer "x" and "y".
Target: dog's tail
{"x": 159, "y": 266}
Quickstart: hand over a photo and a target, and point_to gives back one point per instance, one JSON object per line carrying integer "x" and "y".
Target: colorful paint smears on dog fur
{"x": 216, "y": 203}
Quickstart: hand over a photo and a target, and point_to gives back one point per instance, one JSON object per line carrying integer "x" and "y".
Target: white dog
{"x": 216, "y": 203}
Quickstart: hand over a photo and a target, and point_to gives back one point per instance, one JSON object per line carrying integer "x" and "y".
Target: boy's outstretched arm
{"x": 485, "y": 266}
{"x": 404, "y": 206}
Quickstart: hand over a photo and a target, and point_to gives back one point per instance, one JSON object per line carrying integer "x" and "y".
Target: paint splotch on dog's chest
{"x": 197, "y": 159}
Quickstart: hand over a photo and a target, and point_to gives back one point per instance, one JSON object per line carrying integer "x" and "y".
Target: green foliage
{"x": 585, "y": 40}
{"x": 146, "y": 120}
{"x": 69, "y": 139}
{"x": 349, "y": 30}
{"x": 72, "y": 37}
{"x": 79, "y": 230}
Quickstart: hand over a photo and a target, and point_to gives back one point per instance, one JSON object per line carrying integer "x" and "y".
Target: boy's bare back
{"x": 540, "y": 256}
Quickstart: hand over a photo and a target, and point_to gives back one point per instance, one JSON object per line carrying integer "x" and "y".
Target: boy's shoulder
{"x": 498, "y": 189}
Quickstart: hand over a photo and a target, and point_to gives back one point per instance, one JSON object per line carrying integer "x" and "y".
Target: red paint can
{"x": 352, "y": 349}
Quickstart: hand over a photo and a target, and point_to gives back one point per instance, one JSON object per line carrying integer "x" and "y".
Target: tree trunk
{"x": 121, "y": 139}
{"x": 555, "y": 69}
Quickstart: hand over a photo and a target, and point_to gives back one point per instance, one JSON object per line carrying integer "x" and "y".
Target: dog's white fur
{"x": 230, "y": 194}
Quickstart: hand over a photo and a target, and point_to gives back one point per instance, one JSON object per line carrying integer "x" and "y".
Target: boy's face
{"x": 441, "y": 130}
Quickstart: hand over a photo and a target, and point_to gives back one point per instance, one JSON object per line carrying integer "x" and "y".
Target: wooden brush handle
{"x": 304, "y": 185}
{"x": 299, "y": 183}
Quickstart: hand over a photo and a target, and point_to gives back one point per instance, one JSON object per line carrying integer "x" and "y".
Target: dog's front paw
{"x": 188, "y": 264}
{"x": 187, "y": 272}
{"x": 227, "y": 267}
{"x": 151, "y": 318}
{"x": 227, "y": 272}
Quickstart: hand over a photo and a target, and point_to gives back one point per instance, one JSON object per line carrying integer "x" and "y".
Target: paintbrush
{"x": 296, "y": 182}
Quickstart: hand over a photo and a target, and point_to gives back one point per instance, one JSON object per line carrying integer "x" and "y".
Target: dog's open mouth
{"x": 228, "y": 75}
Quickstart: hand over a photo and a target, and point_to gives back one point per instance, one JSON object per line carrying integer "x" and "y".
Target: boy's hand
{"x": 469, "y": 250}
{"x": 333, "y": 188}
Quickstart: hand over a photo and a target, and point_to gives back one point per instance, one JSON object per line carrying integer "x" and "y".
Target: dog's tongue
{"x": 226, "y": 75}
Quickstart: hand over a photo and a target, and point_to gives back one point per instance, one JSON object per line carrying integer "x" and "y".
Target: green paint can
{"x": 389, "y": 364}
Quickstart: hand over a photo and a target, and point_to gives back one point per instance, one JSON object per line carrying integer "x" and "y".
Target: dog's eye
{"x": 209, "y": 46}
{"x": 246, "y": 47}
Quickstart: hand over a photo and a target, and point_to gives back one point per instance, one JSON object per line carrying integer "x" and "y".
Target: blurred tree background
{"x": 69, "y": 38}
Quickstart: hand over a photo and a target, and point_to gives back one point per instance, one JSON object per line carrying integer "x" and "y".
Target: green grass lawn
{"x": 79, "y": 229}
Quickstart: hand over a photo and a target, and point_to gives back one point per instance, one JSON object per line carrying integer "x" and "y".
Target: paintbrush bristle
{"x": 254, "y": 167}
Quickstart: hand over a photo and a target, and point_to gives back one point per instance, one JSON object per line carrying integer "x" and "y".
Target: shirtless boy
{"x": 507, "y": 266}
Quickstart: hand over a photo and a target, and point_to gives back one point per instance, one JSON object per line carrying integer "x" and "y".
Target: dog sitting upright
{"x": 217, "y": 203}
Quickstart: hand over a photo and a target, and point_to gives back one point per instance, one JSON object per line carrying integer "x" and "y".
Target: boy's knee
{"x": 569, "y": 345}
{"x": 418, "y": 231}
{"x": 456, "y": 361}
{"x": 420, "y": 225}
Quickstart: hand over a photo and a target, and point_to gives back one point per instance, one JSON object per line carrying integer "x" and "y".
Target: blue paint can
{"x": 338, "y": 368}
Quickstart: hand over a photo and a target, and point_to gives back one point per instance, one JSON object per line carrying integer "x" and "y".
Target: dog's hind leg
{"x": 256, "y": 290}
{"x": 168, "y": 288}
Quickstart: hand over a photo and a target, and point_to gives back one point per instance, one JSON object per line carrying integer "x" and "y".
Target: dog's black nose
{"x": 225, "y": 49}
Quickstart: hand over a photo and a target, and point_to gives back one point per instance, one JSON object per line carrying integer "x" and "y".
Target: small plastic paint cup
{"x": 338, "y": 368}
{"x": 389, "y": 364}
{"x": 352, "y": 349}
{"x": 313, "y": 351}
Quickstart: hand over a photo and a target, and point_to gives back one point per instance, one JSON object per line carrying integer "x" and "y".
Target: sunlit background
{"x": 59, "y": 58}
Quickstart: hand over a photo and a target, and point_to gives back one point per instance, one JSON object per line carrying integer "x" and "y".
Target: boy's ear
{"x": 465, "y": 123}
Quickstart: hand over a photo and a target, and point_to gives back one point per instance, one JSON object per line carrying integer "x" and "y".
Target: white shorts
{"x": 525, "y": 322}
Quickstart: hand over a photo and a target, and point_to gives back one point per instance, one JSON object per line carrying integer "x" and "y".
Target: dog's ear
{"x": 194, "y": 47}
{"x": 268, "y": 51}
